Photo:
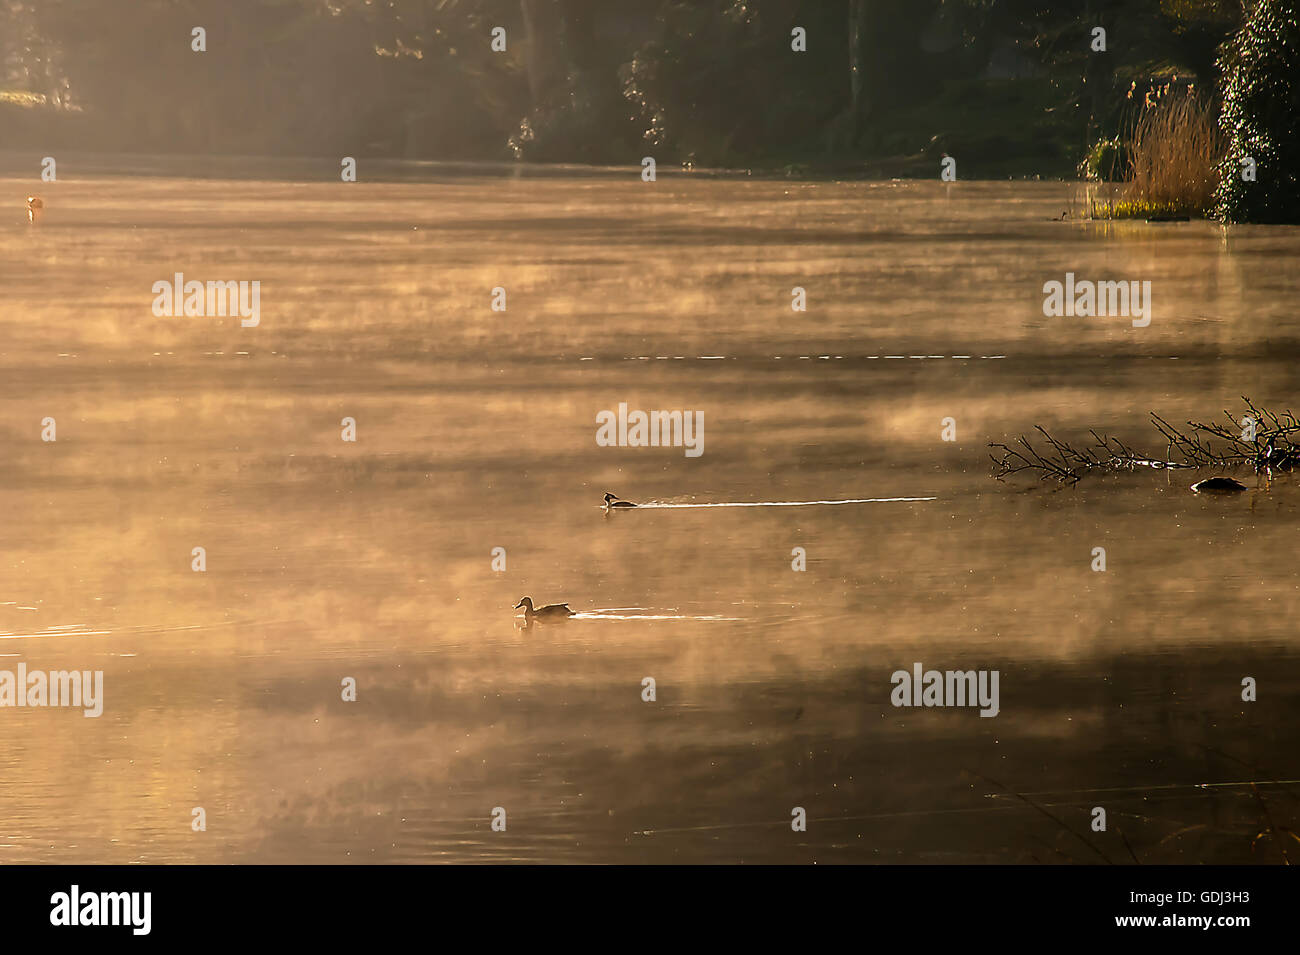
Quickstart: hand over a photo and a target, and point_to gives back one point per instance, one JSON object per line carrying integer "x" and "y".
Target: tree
{"x": 1261, "y": 116}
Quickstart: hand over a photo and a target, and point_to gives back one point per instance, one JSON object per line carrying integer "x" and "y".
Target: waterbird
{"x": 35, "y": 206}
{"x": 1282, "y": 459}
{"x": 549, "y": 612}
{"x": 611, "y": 500}
{"x": 1218, "y": 485}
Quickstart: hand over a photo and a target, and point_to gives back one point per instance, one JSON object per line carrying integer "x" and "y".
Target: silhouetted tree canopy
{"x": 714, "y": 81}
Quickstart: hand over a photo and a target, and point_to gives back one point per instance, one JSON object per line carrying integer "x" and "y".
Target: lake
{"x": 373, "y": 560}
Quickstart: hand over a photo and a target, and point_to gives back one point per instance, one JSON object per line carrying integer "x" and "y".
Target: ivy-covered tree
{"x": 1261, "y": 117}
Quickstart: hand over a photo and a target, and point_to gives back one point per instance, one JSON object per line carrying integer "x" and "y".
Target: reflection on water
{"x": 864, "y": 500}
{"x": 640, "y": 613}
{"x": 373, "y": 560}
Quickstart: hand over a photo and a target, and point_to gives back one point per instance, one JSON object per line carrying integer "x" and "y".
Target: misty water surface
{"x": 476, "y": 430}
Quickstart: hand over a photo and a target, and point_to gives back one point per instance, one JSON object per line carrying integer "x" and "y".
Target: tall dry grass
{"x": 1174, "y": 146}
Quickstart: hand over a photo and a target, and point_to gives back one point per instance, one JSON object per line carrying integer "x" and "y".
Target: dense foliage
{"x": 1261, "y": 116}
{"x": 1009, "y": 85}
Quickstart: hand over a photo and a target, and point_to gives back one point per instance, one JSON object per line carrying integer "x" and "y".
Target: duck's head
{"x": 609, "y": 498}
{"x": 35, "y": 202}
{"x": 525, "y": 602}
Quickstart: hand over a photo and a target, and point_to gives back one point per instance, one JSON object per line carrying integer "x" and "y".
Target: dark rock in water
{"x": 1218, "y": 485}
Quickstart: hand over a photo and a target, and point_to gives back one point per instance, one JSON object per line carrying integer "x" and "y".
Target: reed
{"x": 1174, "y": 148}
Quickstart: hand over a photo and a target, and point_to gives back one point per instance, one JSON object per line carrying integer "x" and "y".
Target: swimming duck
{"x": 549, "y": 612}
{"x": 1218, "y": 485}
{"x": 35, "y": 206}
{"x": 1281, "y": 459}
{"x": 611, "y": 500}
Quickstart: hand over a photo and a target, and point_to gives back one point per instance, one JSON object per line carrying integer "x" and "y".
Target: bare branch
{"x": 1275, "y": 446}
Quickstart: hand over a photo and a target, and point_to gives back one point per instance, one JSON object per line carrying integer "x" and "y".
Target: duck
{"x": 611, "y": 500}
{"x": 35, "y": 206}
{"x": 1281, "y": 459}
{"x": 549, "y": 612}
{"x": 1218, "y": 485}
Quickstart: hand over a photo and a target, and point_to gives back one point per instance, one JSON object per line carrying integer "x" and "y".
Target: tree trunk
{"x": 859, "y": 104}
{"x": 532, "y": 55}
{"x": 857, "y": 27}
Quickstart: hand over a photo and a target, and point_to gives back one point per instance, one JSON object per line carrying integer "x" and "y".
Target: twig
{"x": 1274, "y": 445}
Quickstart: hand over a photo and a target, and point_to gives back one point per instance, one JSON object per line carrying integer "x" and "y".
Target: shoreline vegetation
{"x": 1165, "y": 165}
{"x": 1159, "y": 111}
{"x": 32, "y": 123}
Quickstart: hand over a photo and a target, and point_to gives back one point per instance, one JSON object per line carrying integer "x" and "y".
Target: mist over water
{"x": 476, "y": 429}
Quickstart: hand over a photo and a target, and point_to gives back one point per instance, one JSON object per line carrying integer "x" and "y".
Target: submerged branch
{"x": 1262, "y": 439}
